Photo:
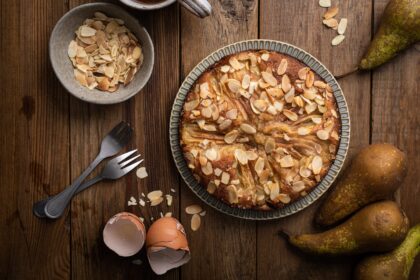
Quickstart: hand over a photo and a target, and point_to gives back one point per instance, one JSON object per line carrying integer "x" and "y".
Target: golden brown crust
{"x": 259, "y": 129}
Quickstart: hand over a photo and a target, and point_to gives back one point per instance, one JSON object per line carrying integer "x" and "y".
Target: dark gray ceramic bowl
{"x": 280, "y": 47}
{"x": 63, "y": 33}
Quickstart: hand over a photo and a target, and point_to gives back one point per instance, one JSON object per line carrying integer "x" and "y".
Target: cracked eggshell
{"x": 167, "y": 245}
{"x": 124, "y": 234}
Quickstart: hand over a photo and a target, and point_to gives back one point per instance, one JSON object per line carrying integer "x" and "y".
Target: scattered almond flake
{"x": 325, "y": 3}
{"x": 143, "y": 195}
{"x": 141, "y": 219}
{"x": 154, "y": 195}
{"x": 151, "y": 219}
{"x": 173, "y": 190}
{"x": 156, "y": 201}
{"x": 141, "y": 172}
{"x": 168, "y": 214}
{"x": 142, "y": 202}
{"x": 202, "y": 214}
{"x": 169, "y": 199}
{"x": 161, "y": 214}
{"x": 137, "y": 262}
{"x": 322, "y": 134}
{"x": 265, "y": 56}
{"x": 193, "y": 209}
{"x": 195, "y": 222}
{"x": 337, "y": 40}
{"x": 130, "y": 203}
{"x": 331, "y": 12}
{"x": 331, "y": 22}
{"x": 316, "y": 164}
{"x": 342, "y": 26}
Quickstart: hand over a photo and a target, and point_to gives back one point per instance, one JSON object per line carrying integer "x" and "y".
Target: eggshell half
{"x": 124, "y": 234}
{"x": 167, "y": 245}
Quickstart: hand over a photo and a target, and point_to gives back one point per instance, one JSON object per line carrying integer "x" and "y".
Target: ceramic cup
{"x": 200, "y": 8}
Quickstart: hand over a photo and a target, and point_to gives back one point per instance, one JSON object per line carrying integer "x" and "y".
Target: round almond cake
{"x": 259, "y": 129}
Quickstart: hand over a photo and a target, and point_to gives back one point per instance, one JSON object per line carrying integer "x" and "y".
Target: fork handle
{"x": 38, "y": 207}
{"x": 55, "y": 206}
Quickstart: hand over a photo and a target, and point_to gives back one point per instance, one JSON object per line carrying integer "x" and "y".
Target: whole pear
{"x": 378, "y": 227}
{"x": 399, "y": 28}
{"x": 375, "y": 173}
{"x": 395, "y": 265}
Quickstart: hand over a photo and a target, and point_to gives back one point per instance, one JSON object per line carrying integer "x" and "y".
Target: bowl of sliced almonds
{"x": 101, "y": 54}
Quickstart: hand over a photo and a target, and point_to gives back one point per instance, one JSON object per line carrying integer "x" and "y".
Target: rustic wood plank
{"x": 148, "y": 113}
{"x": 300, "y": 23}
{"x": 224, "y": 247}
{"x": 34, "y": 157}
{"x": 395, "y": 120}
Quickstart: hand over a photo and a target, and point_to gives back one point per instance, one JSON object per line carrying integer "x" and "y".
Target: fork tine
{"x": 131, "y": 167}
{"x": 122, "y": 157}
{"x": 125, "y": 163}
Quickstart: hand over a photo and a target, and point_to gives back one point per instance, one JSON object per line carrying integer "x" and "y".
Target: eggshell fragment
{"x": 124, "y": 234}
{"x": 167, "y": 245}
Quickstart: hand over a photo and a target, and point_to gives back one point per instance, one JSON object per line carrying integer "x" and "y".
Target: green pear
{"x": 375, "y": 173}
{"x": 378, "y": 227}
{"x": 399, "y": 28}
{"x": 394, "y": 265}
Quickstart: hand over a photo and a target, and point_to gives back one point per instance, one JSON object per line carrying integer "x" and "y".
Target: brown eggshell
{"x": 167, "y": 232}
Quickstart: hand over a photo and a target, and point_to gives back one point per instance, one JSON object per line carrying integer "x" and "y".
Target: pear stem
{"x": 354, "y": 70}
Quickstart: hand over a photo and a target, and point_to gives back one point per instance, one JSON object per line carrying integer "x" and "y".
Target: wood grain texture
{"x": 300, "y": 23}
{"x": 148, "y": 113}
{"x": 34, "y": 140}
{"x": 396, "y": 120}
{"x": 224, "y": 247}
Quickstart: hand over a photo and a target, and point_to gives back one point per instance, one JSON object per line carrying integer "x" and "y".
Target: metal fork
{"x": 114, "y": 169}
{"x": 113, "y": 142}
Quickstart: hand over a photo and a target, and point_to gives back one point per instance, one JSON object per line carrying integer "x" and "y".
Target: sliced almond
{"x": 337, "y": 40}
{"x": 234, "y": 85}
{"x": 303, "y": 130}
{"x": 207, "y": 169}
{"x": 285, "y": 83}
{"x": 284, "y": 198}
{"x": 309, "y": 82}
{"x": 191, "y": 105}
{"x": 232, "y": 194}
{"x": 232, "y": 114}
{"x": 331, "y": 22}
{"x": 342, "y": 26}
{"x": 269, "y": 145}
{"x": 331, "y": 12}
{"x": 211, "y": 154}
{"x": 246, "y": 79}
{"x": 169, "y": 199}
{"x": 241, "y": 156}
{"x": 195, "y": 222}
{"x": 325, "y": 3}
{"x": 211, "y": 187}
{"x": 247, "y": 128}
{"x": 290, "y": 115}
{"x": 302, "y": 73}
{"x": 260, "y": 105}
{"x": 251, "y": 155}
{"x": 153, "y": 195}
{"x": 269, "y": 78}
{"x": 259, "y": 165}
{"x": 298, "y": 186}
{"x": 87, "y": 31}
{"x": 265, "y": 56}
{"x": 225, "y": 68}
{"x": 316, "y": 164}
{"x": 225, "y": 178}
{"x": 235, "y": 63}
{"x": 322, "y": 134}
{"x": 193, "y": 209}
{"x": 304, "y": 172}
{"x": 231, "y": 136}
{"x": 72, "y": 50}
{"x": 156, "y": 201}
{"x": 282, "y": 67}
{"x": 287, "y": 161}
{"x": 141, "y": 172}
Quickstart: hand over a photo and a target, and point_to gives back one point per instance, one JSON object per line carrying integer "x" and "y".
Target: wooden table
{"x": 48, "y": 137}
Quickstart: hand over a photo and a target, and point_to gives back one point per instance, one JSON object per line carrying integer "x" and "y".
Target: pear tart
{"x": 259, "y": 129}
